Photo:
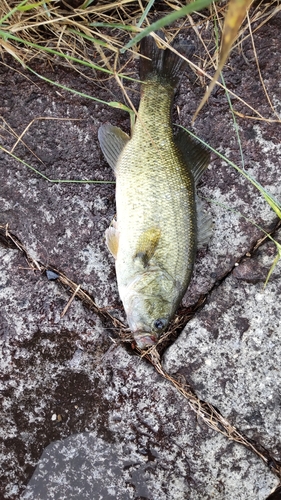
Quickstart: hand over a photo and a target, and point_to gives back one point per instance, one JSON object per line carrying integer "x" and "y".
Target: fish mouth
{"x": 145, "y": 339}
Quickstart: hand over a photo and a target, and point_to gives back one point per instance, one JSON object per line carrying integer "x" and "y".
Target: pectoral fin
{"x": 146, "y": 245}
{"x": 112, "y": 141}
{"x": 196, "y": 156}
{"x": 112, "y": 240}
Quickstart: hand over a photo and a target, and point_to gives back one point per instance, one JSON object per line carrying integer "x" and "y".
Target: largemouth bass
{"x": 155, "y": 237}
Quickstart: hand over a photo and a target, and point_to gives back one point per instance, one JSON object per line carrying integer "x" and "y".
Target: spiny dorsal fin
{"x": 112, "y": 141}
{"x": 196, "y": 156}
{"x": 146, "y": 245}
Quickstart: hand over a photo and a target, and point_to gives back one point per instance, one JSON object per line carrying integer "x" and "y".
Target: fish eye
{"x": 160, "y": 324}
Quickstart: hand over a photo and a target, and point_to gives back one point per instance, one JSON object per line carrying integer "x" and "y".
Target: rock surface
{"x": 229, "y": 352}
{"x": 105, "y": 421}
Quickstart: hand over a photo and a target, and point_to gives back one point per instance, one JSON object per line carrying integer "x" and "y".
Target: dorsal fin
{"x": 196, "y": 156}
{"x": 112, "y": 141}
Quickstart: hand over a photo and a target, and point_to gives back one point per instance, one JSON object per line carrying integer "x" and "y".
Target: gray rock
{"x": 154, "y": 447}
{"x": 229, "y": 353}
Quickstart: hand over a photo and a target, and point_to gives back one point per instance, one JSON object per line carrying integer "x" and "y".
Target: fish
{"x": 159, "y": 219}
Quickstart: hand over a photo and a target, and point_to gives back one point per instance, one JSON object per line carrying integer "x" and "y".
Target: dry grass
{"x": 98, "y": 32}
{"x": 95, "y": 36}
{"x": 74, "y": 32}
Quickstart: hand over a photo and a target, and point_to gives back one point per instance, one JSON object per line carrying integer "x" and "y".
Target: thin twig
{"x": 70, "y": 301}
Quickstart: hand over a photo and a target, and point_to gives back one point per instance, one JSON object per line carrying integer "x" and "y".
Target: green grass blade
{"x": 12, "y": 11}
{"x": 146, "y": 11}
{"x": 30, "y": 6}
{"x": 61, "y": 181}
{"x": 170, "y": 18}
{"x": 6, "y": 35}
{"x": 274, "y": 204}
{"x": 274, "y": 264}
{"x": 112, "y": 104}
{"x": 86, "y": 4}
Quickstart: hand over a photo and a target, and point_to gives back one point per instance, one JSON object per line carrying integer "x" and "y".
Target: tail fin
{"x": 162, "y": 65}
